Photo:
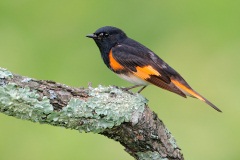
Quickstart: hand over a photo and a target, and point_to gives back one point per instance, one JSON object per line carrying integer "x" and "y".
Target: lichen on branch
{"x": 110, "y": 111}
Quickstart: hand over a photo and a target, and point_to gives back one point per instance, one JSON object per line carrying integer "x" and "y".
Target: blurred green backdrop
{"x": 200, "y": 39}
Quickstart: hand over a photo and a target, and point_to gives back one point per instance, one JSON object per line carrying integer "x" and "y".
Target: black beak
{"x": 91, "y": 36}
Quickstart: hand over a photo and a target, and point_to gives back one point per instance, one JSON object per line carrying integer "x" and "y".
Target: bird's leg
{"x": 138, "y": 85}
{"x": 135, "y": 86}
{"x": 142, "y": 89}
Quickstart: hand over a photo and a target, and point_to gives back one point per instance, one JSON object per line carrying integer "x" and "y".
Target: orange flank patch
{"x": 145, "y": 72}
{"x": 186, "y": 89}
{"x": 113, "y": 63}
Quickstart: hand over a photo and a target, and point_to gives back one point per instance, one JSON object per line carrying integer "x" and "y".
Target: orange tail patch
{"x": 191, "y": 92}
{"x": 183, "y": 88}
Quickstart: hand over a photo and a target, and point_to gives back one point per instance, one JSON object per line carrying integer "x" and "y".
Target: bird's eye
{"x": 102, "y": 35}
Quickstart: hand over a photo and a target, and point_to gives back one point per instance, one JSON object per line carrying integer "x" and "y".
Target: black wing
{"x": 137, "y": 58}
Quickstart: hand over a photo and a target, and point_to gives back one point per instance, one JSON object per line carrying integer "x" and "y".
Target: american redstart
{"x": 139, "y": 65}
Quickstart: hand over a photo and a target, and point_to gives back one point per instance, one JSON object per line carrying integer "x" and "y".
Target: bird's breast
{"x": 133, "y": 79}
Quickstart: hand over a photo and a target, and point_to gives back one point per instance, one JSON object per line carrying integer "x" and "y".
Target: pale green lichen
{"x": 26, "y": 80}
{"x": 23, "y": 103}
{"x": 5, "y": 73}
{"x": 106, "y": 107}
{"x": 150, "y": 156}
{"x": 171, "y": 139}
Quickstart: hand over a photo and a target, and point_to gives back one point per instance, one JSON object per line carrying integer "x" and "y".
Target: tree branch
{"x": 109, "y": 111}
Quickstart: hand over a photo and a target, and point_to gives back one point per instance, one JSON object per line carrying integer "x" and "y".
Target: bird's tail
{"x": 190, "y": 92}
{"x": 212, "y": 105}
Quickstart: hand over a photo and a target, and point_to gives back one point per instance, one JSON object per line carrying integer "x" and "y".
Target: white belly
{"x": 133, "y": 79}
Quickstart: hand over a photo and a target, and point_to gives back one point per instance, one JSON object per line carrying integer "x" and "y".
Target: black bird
{"x": 139, "y": 65}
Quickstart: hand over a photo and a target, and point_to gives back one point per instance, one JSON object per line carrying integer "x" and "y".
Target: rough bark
{"x": 120, "y": 115}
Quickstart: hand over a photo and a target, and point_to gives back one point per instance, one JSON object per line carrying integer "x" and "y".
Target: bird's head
{"x": 107, "y": 37}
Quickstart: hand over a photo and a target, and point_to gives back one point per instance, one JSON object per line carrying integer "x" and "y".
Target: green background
{"x": 45, "y": 39}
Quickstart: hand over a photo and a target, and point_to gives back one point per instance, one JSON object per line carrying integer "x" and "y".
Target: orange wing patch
{"x": 113, "y": 63}
{"x": 145, "y": 72}
{"x": 186, "y": 89}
